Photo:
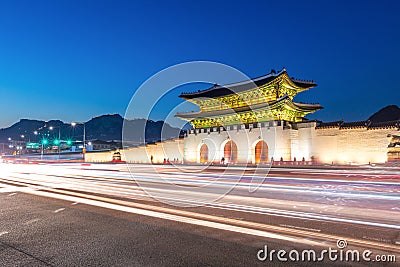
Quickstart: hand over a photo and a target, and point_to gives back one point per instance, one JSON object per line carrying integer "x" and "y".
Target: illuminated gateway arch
{"x": 248, "y": 122}
{"x": 258, "y": 121}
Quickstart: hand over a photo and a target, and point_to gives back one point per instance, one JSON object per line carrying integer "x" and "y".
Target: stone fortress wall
{"x": 359, "y": 145}
{"x": 308, "y": 141}
{"x": 297, "y": 142}
{"x": 168, "y": 150}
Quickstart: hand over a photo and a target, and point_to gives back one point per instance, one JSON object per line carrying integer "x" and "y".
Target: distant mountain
{"x": 134, "y": 130}
{"x": 105, "y": 127}
{"x": 389, "y": 113}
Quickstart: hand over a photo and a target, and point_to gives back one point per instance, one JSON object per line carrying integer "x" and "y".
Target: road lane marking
{"x": 3, "y": 233}
{"x": 57, "y": 211}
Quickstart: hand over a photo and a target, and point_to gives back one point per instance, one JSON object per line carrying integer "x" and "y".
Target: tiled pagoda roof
{"x": 228, "y": 89}
{"x": 285, "y": 99}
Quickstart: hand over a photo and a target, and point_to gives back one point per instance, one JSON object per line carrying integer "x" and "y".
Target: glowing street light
{"x": 73, "y": 124}
{"x": 44, "y": 142}
{"x": 56, "y": 142}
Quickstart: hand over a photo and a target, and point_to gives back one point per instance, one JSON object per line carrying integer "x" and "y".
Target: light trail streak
{"x": 176, "y": 218}
{"x": 227, "y": 206}
{"x": 281, "y": 188}
{"x": 109, "y": 183}
{"x": 238, "y": 226}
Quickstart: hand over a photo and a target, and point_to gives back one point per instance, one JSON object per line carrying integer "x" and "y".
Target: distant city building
{"x": 105, "y": 145}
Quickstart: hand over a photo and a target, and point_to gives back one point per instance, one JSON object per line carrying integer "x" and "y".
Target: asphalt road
{"x": 38, "y": 231}
{"x": 97, "y": 215}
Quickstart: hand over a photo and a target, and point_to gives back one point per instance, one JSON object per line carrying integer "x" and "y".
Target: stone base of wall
{"x": 284, "y": 142}
{"x": 171, "y": 150}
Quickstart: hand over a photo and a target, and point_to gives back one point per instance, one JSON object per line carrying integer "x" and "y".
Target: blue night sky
{"x": 72, "y": 60}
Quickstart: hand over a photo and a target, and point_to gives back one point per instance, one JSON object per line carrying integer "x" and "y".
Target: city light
{"x": 73, "y": 124}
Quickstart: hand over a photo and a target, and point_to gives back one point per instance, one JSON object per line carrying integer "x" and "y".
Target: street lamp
{"x": 73, "y": 124}
{"x": 41, "y": 151}
{"x": 21, "y": 144}
{"x": 10, "y": 145}
{"x": 57, "y": 142}
{"x": 43, "y": 142}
